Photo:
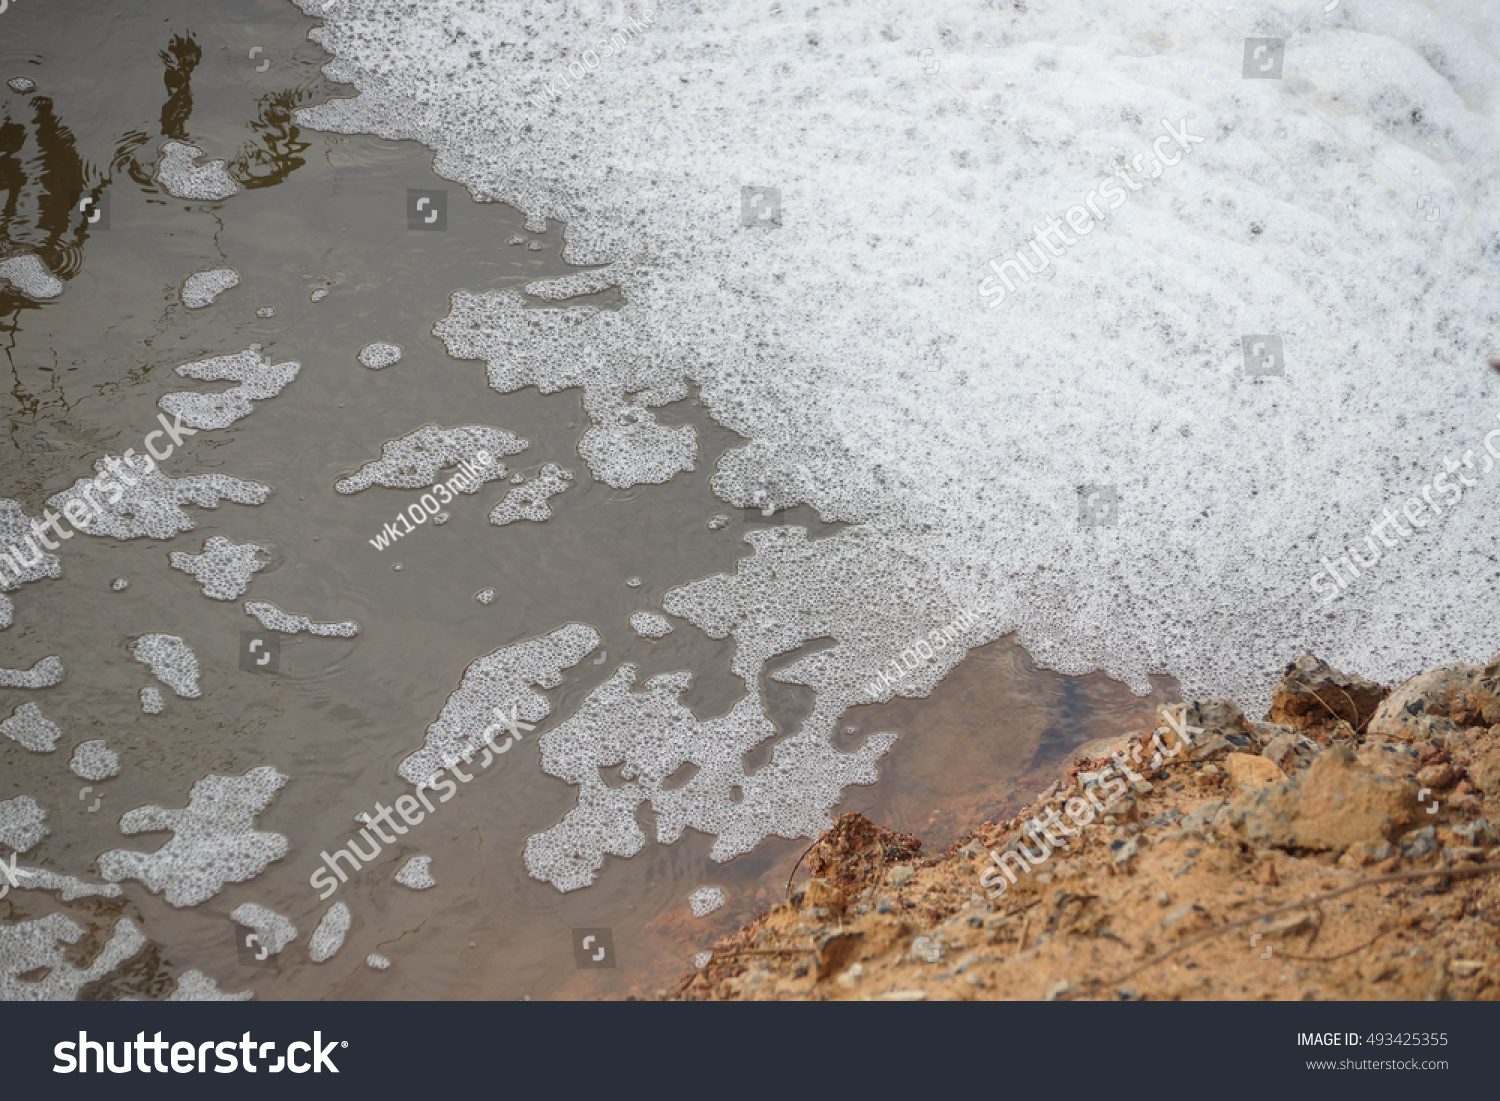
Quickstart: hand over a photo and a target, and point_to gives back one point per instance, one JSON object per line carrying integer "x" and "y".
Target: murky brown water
{"x": 86, "y": 372}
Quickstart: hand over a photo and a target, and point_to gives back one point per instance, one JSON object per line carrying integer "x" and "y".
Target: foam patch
{"x": 40, "y": 879}
{"x": 151, "y": 503}
{"x": 275, "y": 931}
{"x": 179, "y": 172}
{"x": 273, "y": 618}
{"x": 259, "y": 379}
{"x": 214, "y": 839}
{"x": 496, "y": 688}
{"x": 21, "y": 821}
{"x": 223, "y": 569}
{"x": 202, "y": 287}
{"x": 377, "y": 962}
{"x": 152, "y": 702}
{"x": 379, "y": 355}
{"x": 44, "y": 674}
{"x": 195, "y": 986}
{"x": 530, "y": 501}
{"x": 94, "y": 760}
{"x": 30, "y": 277}
{"x": 33, "y": 730}
{"x": 7, "y": 611}
{"x": 1093, "y": 460}
{"x": 650, "y": 625}
{"x": 172, "y": 662}
{"x": 328, "y": 937}
{"x": 705, "y": 900}
{"x": 416, "y": 874}
{"x": 22, "y": 558}
{"x": 414, "y": 461}
{"x": 38, "y": 946}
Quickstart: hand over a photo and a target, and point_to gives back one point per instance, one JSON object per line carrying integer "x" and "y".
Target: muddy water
{"x": 86, "y": 371}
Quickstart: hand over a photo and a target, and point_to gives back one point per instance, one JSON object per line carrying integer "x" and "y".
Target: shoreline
{"x": 1342, "y": 849}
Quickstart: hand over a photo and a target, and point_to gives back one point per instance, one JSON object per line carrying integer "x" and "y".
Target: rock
{"x": 820, "y": 894}
{"x": 1383, "y": 757}
{"x": 1484, "y": 774}
{"x": 1252, "y": 773}
{"x": 1288, "y": 749}
{"x": 1186, "y": 920}
{"x": 1477, "y": 832}
{"x": 1440, "y": 704}
{"x": 903, "y": 875}
{"x": 1420, "y": 843}
{"x": 1437, "y": 777}
{"x": 1464, "y": 968}
{"x": 1122, "y": 852}
{"x": 1329, "y": 807}
{"x": 1363, "y": 853}
{"x": 855, "y": 852}
{"x": 1313, "y": 694}
{"x": 1223, "y": 725}
{"x": 1203, "y": 816}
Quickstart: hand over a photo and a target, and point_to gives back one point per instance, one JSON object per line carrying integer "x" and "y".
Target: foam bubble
{"x": 195, "y": 986}
{"x": 416, "y": 873}
{"x": 328, "y": 937}
{"x": 22, "y": 558}
{"x": 214, "y": 839}
{"x": 32, "y": 729}
{"x": 223, "y": 569}
{"x": 94, "y": 760}
{"x": 30, "y": 276}
{"x": 273, "y": 618}
{"x": 44, "y": 674}
{"x": 377, "y": 962}
{"x": 485, "y": 596}
{"x": 183, "y": 178}
{"x": 705, "y": 900}
{"x": 21, "y": 821}
{"x": 36, "y": 947}
{"x": 21, "y": 84}
{"x": 650, "y": 625}
{"x": 172, "y": 662}
{"x": 152, "y": 506}
{"x": 379, "y": 355}
{"x": 119, "y": 584}
{"x": 202, "y": 287}
{"x": 152, "y": 702}
{"x": 530, "y": 501}
{"x": 258, "y": 377}
{"x": 413, "y": 461}
{"x": 494, "y": 688}
{"x": 275, "y": 930}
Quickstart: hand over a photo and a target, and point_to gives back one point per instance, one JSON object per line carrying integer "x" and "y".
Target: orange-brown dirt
{"x": 1341, "y": 850}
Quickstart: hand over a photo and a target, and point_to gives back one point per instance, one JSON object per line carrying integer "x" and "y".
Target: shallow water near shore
{"x": 317, "y": 212}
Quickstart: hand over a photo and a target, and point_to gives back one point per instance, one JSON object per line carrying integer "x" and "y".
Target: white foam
{"x": 379, "y": 355}
{"x": 22, "y": 84}
{"x": 7, "y": 611}
{"x": 171, "y": 661}
{"x": 414, "y": 460}
{"x": 223, "y": 569}
{"x": 650, "y": 625}
{"x": 22, "y": 558}
{"x": 378, "y": 962}
{"x": 214, "y": 839}
{"x": 416, "y": 874}
{"x": 530, "y": 501}
{"x": 273, "y": 618}
{"x": 328, "y": 937}
{"x": 195, "y": 986}
{"x": 495, "y": 688}
{"x": 184, "y": 178}
{"x": 29, "y": 727}
{"x": 35, "y": 946}
{"x": 485, "y": 596}
{"x": 258, "y": 378}
{"x": 152, "y": 702}
{"x": 203, "y": 287}
{"x": 30, "y": 276}
{"x": 21, "y": 823}
{"x": 705, "y": 900}
{"x": 94, "y": 760}
{"x": 44, "y": 674}
{"x": 275, "y": 930}
{"x": 851, "y": 347}
{"x": 152, "y": 506}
